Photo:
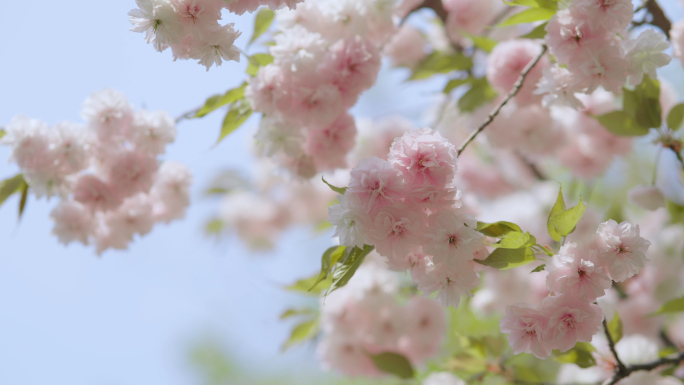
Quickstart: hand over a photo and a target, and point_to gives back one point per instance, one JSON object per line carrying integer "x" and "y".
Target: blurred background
{"x": 177, "y": 308}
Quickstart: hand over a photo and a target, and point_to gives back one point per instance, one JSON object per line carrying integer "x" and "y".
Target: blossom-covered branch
{"x": 516, "y": 87}
{"x": 629, "y": 369}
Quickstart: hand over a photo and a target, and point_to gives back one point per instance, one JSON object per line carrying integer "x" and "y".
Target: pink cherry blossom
{"x": 133, "y": 171}
{"x": 97, "y": 194}
{"x": 152, "y": 131}
{"x": 376, "y": 183}
{"x": 396, "y": 229}
{"x": 424, "y": 157}
{"x": 451, "y": 280}
{"x": 570, "y": 321}
{"x": 351, "y": 220}
{"x": 576, "y": 273}
{"x": 73, "y": 222}
{"x": 407, "y": 47}
{"x": 159, "y": 20}
{"x": 352, "y": 65}
{"x": 329, "y": 145}
{"x": 451, "y": 237}
{"x": 623, "y": 247}
{"x": 525, "y": 326}
{"x": 611, "y": 15}
{"x": 506, "y": 63}
{"x": 424, "y": 330}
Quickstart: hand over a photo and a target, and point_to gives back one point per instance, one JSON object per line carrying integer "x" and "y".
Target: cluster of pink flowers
{"x": 325, "y": 56}
{"x": 591, "y": 44}
{"x": 106, "y": 173}
{"x": 577, "y": 276}
{"x": 363, "y": 318}
{"x": 191, "y": 27}
{"x": 409, "y": 210}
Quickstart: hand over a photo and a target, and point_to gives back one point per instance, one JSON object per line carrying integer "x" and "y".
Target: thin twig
{"x": 516, "y": 88}
{"x": 647, "y": 367}
{"x": 621, "y": 369}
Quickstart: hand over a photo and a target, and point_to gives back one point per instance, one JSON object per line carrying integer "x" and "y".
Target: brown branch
{"x": 621, "y": 369}
{"x": 659, "y": 19}
{"x": 679, "y": 358}
{"x": 516, "y": 87}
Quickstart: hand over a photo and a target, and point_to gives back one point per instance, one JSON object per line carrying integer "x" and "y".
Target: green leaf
{"x": 328, "y": 260}
{"x": 345, "y": 270}
{"x": 217, "y": 101}
{"x": 263, "y": 20}
{"x": 676, "y": 305}
{"x": 484, "y": 43}
{"x": 339, "y": 190}
{"x": 538, "y": 269}
{"x": 615, "y": 328}
{"x": 393, "y": 363}
{"x": 528, "y": 16}
{"x": 302, "y": 332}
{"x": 504, "y": 259}
{"x": 10, "y": 186}
{"x": 441, "y": 63}
{"x": 497, "y": 229}
{"x": 622, "y": 124}
{"x": 566, "y": 221}
{"x": 539, "y": 32}
{"x": 479, "y": 93}
{"x": 2, "y": 133}
{"x": 214, "y": 226}
{"x": 674, "y": 119}
{"x": 549, "y": 4}
{"x": 516, "y": 240}
{"x": 304, "y": 285}
{"x": 455, "y": 83}
{"x": 256, "y": 61}
{"x": 295, "y": 312}
{"x": 237, "y": 114}
{"x": 557, "y": 208}
{"x": 24, "y": 197}
{"x": 579, "y": 355}
{"x": 643, "y": 103}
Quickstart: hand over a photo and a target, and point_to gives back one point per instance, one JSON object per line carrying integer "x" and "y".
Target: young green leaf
{"x": 539, "y": 32}
{"x": 328, "y": 260}
{"x": 393, "y": 363}
{"x": 2, "y": 133}
{"x": 24, "y": 197}
{"x": 11, "y": 186}
{"x": 516, "y": 240}
{"x": 263, "y": 20}
{"x": 217, "y": 101}
{"x": 615, "y": 328}
{"x": 504, "y": 259}
{"x": 675, "y": 118}
{"x": 455, "y": 83}
{"x": 479, "y": 93}
{"x": 214, "y": 226}
{"x": 441, "y": 63}
{"x": 497, "y": 229}
{"x": 237, "y": 114}
{"x": 579, "y": 355}
{"x": 484, "y": 43}
{"x": 345, "y": 270}
{"x": 557, "y": 208}
{"x": 295, "y": 312}
{"x": 528, "y": 16}
{"x": 303, "y": 286}
{"x": 339, "y": 190}
{"x": 673, "y": 306}
{"x": 622, "y": 124}
{"x": 257, "y": 61}
{"x": 302, "y": 332}
{"x": 643, "y": 103}
{"x": 565, "y": 222}
{"x": 538, "y": 269}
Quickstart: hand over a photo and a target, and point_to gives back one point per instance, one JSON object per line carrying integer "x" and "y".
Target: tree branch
{"x": 659, "y": 19}
{"x": 516, "y": 88}
{"x": 648, "y": 367}
{"x": 621, "y": 369}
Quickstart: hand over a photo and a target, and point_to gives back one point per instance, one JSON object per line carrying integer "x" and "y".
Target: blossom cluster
{"x": 409, "y": 210}
{"x": 106, "y": 172}
{"x": 592, "y": 46}
{"x": 326, "y": 54}
{"x": 191, "y": 28}
{"x": 363, "y": 318}
{"x": 578, "y": 275}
